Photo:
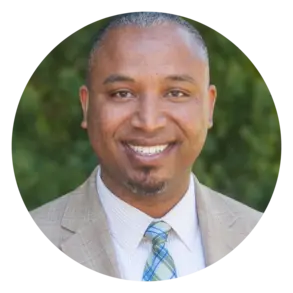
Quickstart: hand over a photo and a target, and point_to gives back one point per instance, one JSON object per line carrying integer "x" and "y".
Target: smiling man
{"x": 147, "y": 107}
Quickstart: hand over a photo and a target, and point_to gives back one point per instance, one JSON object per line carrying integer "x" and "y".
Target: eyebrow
{"x": 117, "y": 78}
{"x": 123, "y": 78}
{"x": 181, "y": 77}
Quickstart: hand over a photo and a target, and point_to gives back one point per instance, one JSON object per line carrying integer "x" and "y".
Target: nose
{"x": 149, "y": 115}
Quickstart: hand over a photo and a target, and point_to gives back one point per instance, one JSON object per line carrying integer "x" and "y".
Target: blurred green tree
{"x": 52, "y": 155}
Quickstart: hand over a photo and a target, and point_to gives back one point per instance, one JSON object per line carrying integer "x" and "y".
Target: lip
{"x": 149, "y": 159}
{"x": 147, "y": 143}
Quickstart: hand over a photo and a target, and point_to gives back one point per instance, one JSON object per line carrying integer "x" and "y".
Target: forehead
{"x": 160, "y": 50}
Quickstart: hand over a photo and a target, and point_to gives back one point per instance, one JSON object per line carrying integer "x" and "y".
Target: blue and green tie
{"x": 160, "y": 264}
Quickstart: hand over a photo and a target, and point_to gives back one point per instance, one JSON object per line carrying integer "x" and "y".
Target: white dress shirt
{"x": 128, "y": 225}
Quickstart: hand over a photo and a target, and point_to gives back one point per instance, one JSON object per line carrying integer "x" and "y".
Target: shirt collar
{"x": 128, "y": 224}
{"x": 183, "y": 217}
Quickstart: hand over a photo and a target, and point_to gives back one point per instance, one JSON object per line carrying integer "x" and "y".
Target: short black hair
{"x": 142, "y": 19}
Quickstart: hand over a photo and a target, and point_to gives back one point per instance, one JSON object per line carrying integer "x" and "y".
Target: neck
{"x": 156, "y": 206}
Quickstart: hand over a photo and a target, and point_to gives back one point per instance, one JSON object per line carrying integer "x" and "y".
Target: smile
{"x": 149, "y": 154}
{"x": 148, "y": 150}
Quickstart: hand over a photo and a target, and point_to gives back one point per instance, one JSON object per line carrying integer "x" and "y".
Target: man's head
{"x": 142, "y": 20}
{"x": 148, "y": 103}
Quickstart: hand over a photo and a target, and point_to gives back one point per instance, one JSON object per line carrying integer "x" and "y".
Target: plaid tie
{"x": 160, "y": 264}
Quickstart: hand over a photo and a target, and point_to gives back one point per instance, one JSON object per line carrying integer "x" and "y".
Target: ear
{"x": 84, "y": 100}
{"x": 212, "y": 96}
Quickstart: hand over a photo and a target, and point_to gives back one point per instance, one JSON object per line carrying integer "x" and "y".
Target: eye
{"x": 122, "y": 94}
{"x": 176, "y": 94}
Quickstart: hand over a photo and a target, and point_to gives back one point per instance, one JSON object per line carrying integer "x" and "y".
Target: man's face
{"x": 149, "y": 107}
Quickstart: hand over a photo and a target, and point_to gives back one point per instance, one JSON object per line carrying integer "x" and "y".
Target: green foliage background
{"x": 52, "y": 155}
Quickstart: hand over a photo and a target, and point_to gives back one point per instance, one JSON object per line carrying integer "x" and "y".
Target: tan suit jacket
{"x": 76, "y": 223}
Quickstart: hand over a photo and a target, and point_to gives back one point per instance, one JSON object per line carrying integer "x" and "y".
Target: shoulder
{"x": 49, "y": 218}
{"x": 50, "y": 212}
{"x": 247, "y": 216}
{"x": 53, "y": 211}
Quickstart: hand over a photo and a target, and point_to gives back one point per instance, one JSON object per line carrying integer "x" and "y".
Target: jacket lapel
{"x": 217, "y": 224}
{"x": 91, "y": 243}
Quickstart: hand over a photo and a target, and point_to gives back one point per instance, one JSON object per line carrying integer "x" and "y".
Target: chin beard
{"x": 144, "y": 189}
{"x": 147, "y": 187}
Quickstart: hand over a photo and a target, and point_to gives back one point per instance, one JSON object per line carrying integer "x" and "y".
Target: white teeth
{"x": 148, "y": 151}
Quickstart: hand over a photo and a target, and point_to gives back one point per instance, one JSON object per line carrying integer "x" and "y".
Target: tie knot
{"x": 157, "y": 232}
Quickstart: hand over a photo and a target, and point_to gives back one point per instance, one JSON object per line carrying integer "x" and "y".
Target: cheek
{"x": 104, "y": 121}
{"x": 192, "y": 117}
{"x": 99, "y": 124}
{"x": 193, "y": 123}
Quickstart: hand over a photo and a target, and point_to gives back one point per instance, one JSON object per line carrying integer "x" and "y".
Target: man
{"x": 147, "y": 106}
